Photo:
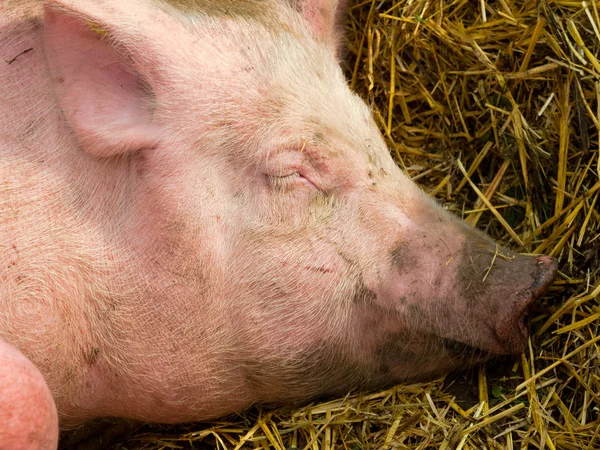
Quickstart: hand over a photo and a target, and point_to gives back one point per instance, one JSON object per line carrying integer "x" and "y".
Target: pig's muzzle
{"x": 531, "y": 279}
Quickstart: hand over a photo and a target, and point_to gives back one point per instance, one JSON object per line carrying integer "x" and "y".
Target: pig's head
{"x": 277, "y": 229}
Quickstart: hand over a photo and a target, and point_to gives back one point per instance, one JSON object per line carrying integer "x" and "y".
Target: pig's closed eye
{"x": 289, "y": 180}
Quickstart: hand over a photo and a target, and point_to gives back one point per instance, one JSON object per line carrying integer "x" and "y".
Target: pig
{"x": 198, "y": 215}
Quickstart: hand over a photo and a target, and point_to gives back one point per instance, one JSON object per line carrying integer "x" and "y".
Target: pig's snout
{"x": 466, "y": 288}
{"x": 532, "y": 278}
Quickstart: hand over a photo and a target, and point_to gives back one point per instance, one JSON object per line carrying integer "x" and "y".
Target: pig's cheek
{"x": 258, "y": 202}
{"x": 324, "y": 273}
{"x": 298, "y": 210}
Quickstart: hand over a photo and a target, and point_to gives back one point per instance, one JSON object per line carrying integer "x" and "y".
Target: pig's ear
{"x": 104, "y": 98}
{"x": 325, "y": 18}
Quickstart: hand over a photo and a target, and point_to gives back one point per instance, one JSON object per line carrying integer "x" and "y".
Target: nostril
{"x": 524, "y": 323}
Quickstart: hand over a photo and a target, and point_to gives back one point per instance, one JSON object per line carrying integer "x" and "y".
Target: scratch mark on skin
{"x": 10, "y": 61}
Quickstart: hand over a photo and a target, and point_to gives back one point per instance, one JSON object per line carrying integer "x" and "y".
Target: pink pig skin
{"x": 27, "y": 414}
{"x": 196, "y": 214}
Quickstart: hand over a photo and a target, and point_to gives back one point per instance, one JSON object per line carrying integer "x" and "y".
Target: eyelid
{"x": 287, "y": 175}
{"x": 282, "y": 180}
{"x": 291, "y": 167}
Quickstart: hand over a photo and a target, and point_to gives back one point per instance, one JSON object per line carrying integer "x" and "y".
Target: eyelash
{"x": 282, "y": 181}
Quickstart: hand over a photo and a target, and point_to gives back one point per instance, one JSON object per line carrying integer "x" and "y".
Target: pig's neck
{"x": 142, "y": 330}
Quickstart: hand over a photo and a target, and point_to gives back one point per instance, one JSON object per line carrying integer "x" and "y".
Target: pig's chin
{"x": 466, "y": 353}
{"x": 491, "y": 346}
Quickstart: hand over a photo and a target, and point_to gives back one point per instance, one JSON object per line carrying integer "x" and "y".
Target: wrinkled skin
{"x": 196, "y": 214}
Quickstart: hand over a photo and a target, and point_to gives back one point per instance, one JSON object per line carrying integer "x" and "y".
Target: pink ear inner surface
{"x": 104, "y": 100}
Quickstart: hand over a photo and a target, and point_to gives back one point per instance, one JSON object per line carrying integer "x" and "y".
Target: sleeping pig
{"x": 197, "y": 214}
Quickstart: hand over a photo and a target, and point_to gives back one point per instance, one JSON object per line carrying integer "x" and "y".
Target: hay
{"x": 493, "y": 107}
